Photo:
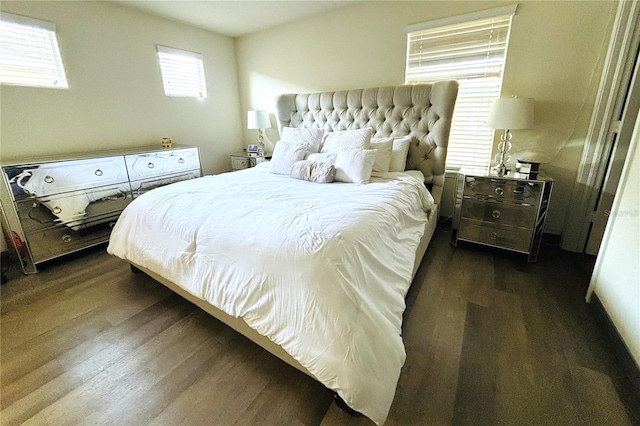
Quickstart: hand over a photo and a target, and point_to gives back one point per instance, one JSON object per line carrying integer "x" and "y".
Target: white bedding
{"x": 320, "y": 269}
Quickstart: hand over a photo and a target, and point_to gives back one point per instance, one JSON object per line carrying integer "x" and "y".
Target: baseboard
{"x": 619, "y": 348}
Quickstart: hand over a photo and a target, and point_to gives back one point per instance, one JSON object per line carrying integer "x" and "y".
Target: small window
{"x": 29, "y": 53}
{"x": 471, "y": 49}
{"x": 182, "y": 73}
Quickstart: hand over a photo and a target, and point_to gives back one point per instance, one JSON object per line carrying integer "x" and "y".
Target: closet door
{"x": 623, "y": 129}
{"x": 607, "y": 140}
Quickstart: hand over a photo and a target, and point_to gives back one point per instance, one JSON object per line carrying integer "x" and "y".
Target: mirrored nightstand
{"x": 242, "y": 160}
{"x": 504, "y": 212}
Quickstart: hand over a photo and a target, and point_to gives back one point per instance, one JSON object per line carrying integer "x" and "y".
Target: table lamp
{"x": 259, "y": 120}
{"x": 508, "y": 114}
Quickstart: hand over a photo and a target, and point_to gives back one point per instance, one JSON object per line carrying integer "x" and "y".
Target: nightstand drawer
{"x": 498, "y": 213}
{"x": 240, "y": 163}
{"x": 516, "y": 191}
{"x": 513, "y": 238}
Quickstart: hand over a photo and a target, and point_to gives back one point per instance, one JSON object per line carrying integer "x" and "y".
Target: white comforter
{"x": 320, "y": 269}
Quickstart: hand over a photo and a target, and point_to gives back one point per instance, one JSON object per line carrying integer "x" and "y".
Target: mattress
{"x": 320, "y": 269}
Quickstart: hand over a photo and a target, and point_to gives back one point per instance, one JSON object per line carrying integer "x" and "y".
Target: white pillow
{"x": 311, "y": 137}
{"x": 354, "y": 165}
{"x": 347, "y": 139}
{"x": 284, "y": 155}
{"x": 399, "y": 154}
{"x": 322, "y": 158}
{"x": 383, "y": 157}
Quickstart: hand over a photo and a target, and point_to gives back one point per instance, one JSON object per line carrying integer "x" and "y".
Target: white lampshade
{"x": 511, "y": 113}
{"x": 258, "y": 120}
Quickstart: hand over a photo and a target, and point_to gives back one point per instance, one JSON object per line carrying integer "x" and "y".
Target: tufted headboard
{"x": 422, "y": 110}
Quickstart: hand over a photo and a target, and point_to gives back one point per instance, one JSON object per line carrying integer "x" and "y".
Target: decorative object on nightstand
{"x": 508, "y": 114}
{"x": 526, "y": 169}
{"x": 504, "y": 212}
{"x": 259, "y": 120}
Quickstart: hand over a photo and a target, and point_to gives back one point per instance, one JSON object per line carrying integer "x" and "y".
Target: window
{"x": 471, "y": 49}
{"x": 29, "y": 53}
{"x": 182, "y": 73}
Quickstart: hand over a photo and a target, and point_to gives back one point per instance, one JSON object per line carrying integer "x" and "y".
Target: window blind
{"x": 472, "y": 52}
{"x": 29, "y": 53}
{"x": 182, "y": 73}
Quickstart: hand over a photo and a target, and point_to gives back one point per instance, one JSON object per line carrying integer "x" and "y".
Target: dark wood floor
{"x": 490, "y": 340}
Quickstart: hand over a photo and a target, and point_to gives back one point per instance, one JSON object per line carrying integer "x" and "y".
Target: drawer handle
{"x": 98, "y": 172}
{"x": 181, "y": 160}
{"x": 499, "y": 190}
{"x": 66, "y": 238}
{"x": 56, "y": 210}
{"x": 48, "y": 179}
{"x": 494, "y": 236}
{"x": 151, "y": 165}
{"x": 495, "y": 214}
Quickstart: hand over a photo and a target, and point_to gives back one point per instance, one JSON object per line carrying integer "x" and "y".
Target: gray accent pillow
{"x": 313, "y": 171}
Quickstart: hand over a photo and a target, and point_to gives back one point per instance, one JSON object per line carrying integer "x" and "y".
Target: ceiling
{"x": 233, "y": 18}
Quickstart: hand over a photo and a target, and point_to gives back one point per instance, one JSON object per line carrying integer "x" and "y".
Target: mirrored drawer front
{"x": 144, "y": 166}
{"x": 35, "y": 215}
{"x": 513, "y": 238}
{"x": 140, "y": 187}
{"x": 75, "y": 209}
{"x": 500, "y": 213}
{"x": 47, "y": 179}
{"x": 517, "y": 191}
{"x": 54, "y": 242}
{"x": 240, "y": 163}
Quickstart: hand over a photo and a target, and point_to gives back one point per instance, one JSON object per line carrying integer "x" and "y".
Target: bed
{"x": 314, "y": 273}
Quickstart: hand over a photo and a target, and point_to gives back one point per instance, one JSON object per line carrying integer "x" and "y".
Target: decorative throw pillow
{"x": 310, "y": 137}
{"x": 355, "y": 165}
{"x": 383, "y": 157}
{"x": 346, "y": 139}
{"x": 323, "y": 158}
{"x": 284, "y": 155}
{"x": 399, "y": 153}
{"x": 313, "y": 171}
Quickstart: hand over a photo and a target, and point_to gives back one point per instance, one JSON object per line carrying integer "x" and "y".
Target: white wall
{"x": 616, "y": 277}
{"x": 555, "y": 56}
{"x": 115, "y": 97}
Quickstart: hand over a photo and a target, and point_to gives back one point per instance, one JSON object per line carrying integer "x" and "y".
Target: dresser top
{"x": 540, "y": 178}
{"x": 91, "y": 154}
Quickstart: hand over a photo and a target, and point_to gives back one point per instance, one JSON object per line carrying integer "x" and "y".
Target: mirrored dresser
{"x": 503, "y": 212}
{"x": 58, "y": 205}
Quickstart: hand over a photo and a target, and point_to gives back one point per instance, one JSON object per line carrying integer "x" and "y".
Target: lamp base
{"x": 260, "y": 144}
{"x": 500, "y": 170}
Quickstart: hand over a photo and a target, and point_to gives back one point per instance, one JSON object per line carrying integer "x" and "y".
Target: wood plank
{"x": 90, "y": 359}
{"x": 433, "y": 332}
